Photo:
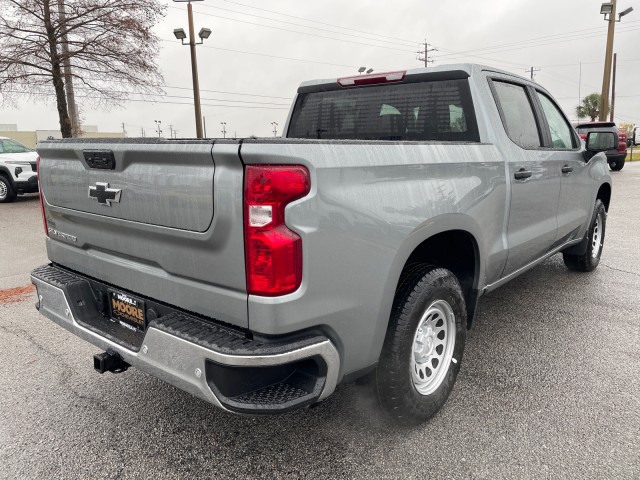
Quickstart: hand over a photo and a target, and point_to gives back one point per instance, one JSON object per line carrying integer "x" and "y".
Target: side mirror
{"x": 600, "y": 142}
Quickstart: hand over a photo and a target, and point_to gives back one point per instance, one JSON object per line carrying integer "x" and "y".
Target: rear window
{"x": 603, "y": 127}
{"x": 424, "y": 111}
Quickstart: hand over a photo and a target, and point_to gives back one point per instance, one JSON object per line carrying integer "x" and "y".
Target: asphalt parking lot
{"x": 549, "y": 388}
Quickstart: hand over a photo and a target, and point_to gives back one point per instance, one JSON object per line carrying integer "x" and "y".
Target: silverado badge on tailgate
{"x": 126, "y": 310}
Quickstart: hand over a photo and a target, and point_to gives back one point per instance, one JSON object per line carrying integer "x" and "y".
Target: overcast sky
{"x": 332, "y": 38}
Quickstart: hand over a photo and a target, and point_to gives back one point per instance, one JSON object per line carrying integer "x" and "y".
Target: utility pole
{"x": 204, "y": 123}
{"x": 170, "y": 131}
{"x": 158, "y": 129}
{"x": 204, "y": 33}
{"x": 123, "y": 130}
{"x": 275, "y": 128}
{"x": 224, "y": 129}
{"x": 613, "y": 88}
{"x": 580, "y": 84}
{"x": 142, "y": 131}
{"x": 532, "y": 71}
{"x": 423, "y": 55}
{"x": 194, "y": 72}
{"x": 68, "y": 78}
{"x": 606, "y": 77}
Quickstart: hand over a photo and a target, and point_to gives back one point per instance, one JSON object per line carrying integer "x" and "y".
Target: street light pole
{"x": 181, "y": 35}
{"x": 606, "y": 78}
{"x": 194, "y": 73}
{"x": 609, "y": 8}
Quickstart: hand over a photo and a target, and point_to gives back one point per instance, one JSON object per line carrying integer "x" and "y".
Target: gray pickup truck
{"x": 260, "y": 273}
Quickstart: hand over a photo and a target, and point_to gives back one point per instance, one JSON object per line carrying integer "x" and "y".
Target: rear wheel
{"x": 7, "y": 193}
{"x": 595, "y": 243}
{"x": 423, "y": 349}
{"x": 616, "y": 165}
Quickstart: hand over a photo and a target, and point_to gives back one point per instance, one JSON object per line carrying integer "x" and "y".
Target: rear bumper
{"x": 616, "y": 157}
{"x": 208, "y": 360}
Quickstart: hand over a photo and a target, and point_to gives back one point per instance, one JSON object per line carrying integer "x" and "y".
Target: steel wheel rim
{"x": 433, "y": 345}
{"x": 3, "y": 190}
{"x": 596, "y": 238}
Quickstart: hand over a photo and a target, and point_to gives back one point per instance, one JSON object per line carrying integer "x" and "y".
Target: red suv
{"x": 615, "y": 158}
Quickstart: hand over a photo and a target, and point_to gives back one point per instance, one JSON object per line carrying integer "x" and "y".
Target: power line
{"x": 298, "y": 32}
{"x": 404, "y": 43}
{"x": 533, "y": 40}
{"x": 265, "y": 55}
{"x": 144, "y": 94}
{"x": 318, "y": 22}
{"x": 159, "y": 101}
{"x": 516, "y": 47}
{"x": 587, "y": 63}
{"x": 229, "y": 93}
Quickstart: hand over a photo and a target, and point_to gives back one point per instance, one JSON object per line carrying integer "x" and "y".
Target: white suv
{"x": 17, "y": 170}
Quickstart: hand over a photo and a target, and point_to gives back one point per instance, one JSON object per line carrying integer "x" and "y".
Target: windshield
{"x": 11, "y": 146}
{"x": 421, "y": 111}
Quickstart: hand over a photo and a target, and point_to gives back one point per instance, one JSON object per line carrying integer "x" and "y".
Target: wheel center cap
{"x": 428, "y": 346}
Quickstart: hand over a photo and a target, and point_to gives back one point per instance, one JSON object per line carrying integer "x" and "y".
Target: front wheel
{"x": 423, "y": 348}
{"x": 595, "y": 243}
{"x": 7, "y": 194}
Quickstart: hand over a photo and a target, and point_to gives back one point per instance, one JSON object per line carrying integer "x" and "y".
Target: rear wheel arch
{"x": 604, "y": 194}
{"x": 457, "y": 251}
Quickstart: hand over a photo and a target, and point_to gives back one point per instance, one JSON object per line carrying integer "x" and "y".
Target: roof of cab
{"x": 468, "y": 68}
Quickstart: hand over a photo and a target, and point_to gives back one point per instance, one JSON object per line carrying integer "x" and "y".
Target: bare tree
{"x": 106, "y": 47}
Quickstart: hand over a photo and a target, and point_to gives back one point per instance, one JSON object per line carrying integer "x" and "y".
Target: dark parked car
{"x": 615, "y": 157}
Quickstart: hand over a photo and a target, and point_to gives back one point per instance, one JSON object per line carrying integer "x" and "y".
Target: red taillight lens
{"x": 273, "y": 253}
{"x": 44, "y": 217}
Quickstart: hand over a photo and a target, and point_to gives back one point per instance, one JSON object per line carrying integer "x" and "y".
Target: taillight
{"x": 273, "y": 252}
{"x": 44, "y": 217}
{"x": 373, "y": 79}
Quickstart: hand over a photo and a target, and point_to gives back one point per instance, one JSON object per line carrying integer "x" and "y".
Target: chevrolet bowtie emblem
{"x": 104, "y": 195}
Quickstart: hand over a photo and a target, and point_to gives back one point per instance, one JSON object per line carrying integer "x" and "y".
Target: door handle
{"x": 567, "y": 169}
{"x": 522, "y": 174}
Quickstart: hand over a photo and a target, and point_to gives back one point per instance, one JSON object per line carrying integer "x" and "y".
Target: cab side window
{"x": 517, "y": 114}
{"x": 561, "y": 136}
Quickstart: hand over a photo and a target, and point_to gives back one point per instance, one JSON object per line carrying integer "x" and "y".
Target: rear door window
{"x": 422, "y": 111}
{"x": 517, "y": 114}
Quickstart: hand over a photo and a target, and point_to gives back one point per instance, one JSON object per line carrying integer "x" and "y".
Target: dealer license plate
{"x": 127, "y": 310}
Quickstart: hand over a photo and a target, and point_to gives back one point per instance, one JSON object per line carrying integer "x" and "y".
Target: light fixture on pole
{"x": 224, "y": 129}
{"x": 370, "y": 70}
{"x": 275, "y": 128}
{"x": 361, "y": 69}
{"x": 158, "y": 127}
{"x": 608, "y": 9}
{"x": 181, "y": 35}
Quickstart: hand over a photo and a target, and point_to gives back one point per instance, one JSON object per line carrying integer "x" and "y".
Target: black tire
{"x": 595, "y": 243}
{"x": 617, "y": 165}
{"x": 419, "y": 290}
{"x": 7, "y": 193}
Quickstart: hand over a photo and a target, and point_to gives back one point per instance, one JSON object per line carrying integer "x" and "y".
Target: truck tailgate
{"x": 165, "y": 222}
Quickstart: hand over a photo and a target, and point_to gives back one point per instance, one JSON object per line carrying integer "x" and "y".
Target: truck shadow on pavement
{"x": 520, "y": 385}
